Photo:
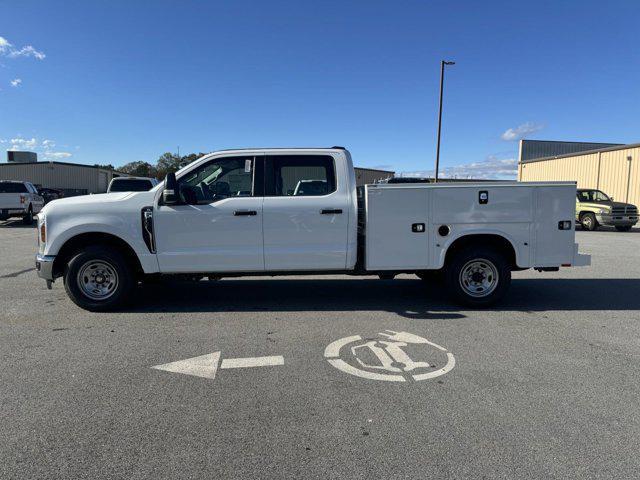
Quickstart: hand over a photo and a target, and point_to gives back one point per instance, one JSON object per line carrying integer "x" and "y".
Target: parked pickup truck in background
{"x": 19, "y": 199}
{"x": 297, "y": 211}
{"x": 595, "y": 208}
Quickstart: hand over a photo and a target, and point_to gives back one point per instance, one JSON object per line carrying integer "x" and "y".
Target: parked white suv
{"x": 19, "y": 199}
{"x": 298, "y": 211}
{"x": 131, "y": 184}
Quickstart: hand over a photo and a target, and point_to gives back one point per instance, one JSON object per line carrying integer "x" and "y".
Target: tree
{"x": 140, "y": 169}
{"x": 168, "y": 162}
{"x": 106, "y": 166}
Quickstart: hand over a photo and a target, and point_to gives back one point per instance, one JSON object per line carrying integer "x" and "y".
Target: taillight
{"x": 23, "y": 199}
{"x": 43, "y": 233}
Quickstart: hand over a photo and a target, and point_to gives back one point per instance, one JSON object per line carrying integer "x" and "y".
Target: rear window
{"x": 300, "y": 175}
{"x": 133, "y": 185}
{"x": 12, "y": 187}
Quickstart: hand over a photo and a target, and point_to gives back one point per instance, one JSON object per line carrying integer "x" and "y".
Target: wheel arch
{"x": 493, "y": 240}
{"x": 82, "y": 240}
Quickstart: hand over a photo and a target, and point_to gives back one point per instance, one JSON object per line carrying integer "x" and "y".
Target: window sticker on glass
{"x": 247, "y": 166}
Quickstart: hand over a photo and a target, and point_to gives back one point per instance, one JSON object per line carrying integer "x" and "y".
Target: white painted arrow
{"x": 203, "y": 366}
{"x": 206, "y": 365}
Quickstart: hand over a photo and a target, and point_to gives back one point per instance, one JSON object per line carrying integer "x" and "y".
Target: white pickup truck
{"x": 19, "y": 199}
{"x": 298, "y": 211}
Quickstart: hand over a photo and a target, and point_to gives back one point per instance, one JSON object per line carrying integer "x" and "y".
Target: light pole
{"x": 442, "y": 64}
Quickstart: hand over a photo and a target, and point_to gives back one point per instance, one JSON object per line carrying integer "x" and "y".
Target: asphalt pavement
{"x": 324, "y": 377}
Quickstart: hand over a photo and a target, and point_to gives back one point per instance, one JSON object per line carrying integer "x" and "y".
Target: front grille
{"x": 630, "y": 210}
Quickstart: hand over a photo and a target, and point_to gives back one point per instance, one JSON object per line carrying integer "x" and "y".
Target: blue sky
{"x": 114, "y": 82}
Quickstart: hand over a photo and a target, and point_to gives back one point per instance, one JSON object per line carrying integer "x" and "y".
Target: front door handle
{"x": 245, "y": 213}
{"x": 331, "y": 211}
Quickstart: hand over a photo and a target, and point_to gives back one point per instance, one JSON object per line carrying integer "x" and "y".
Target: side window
{"x": 218, "y": 179}
{"x": 299, "y": 175}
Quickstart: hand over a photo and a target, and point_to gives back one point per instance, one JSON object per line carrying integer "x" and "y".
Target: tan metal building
{"x": 73, "y": 178}
{"x": 613, "y": 169}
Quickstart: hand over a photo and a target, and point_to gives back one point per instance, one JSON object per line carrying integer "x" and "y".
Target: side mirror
{"x": 170, "y": 192}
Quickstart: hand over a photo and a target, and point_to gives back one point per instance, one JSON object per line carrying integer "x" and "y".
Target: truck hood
{"x": 100, "y": 201}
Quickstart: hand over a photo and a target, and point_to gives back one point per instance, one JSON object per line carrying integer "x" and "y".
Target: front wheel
{"x": 98, "y": 279}
{"x": 28, "y": 217}
{"x": 623, "y": 228}
{"x": 589, "y": 222}
{"x": 478, "y": 276}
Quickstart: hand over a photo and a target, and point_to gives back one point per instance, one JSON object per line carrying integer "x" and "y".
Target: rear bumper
{"x": 9, "y": 212}
{"x": 44, "y": 266}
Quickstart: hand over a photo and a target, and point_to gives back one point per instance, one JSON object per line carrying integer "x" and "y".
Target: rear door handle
{"x": 245, "y": 213}
{"x": 331, "y": 211}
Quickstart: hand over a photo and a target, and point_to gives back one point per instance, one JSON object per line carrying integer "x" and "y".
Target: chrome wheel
{"x": 478, "y": 278}
{"x": 97, "y": 279}
{"x": 587, "y": 222}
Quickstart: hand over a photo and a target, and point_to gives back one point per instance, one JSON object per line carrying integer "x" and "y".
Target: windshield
{"x": 592, "y": 196}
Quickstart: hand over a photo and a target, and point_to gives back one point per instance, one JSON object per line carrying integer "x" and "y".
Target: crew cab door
{"x": 218, "y": 225}
{"x": 306, "y": 213}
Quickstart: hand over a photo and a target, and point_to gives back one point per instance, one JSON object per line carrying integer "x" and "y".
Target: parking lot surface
{"x": 324, "y": 377}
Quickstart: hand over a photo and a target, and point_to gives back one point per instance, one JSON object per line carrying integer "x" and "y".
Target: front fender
{"x": 125, "y": 227}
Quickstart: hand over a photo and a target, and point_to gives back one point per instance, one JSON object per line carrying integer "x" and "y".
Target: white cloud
{"x": 56, "y": 155}
{"x": 492, "y": 168}
{"x": 27, "y": 51}
{"x": 521, "y": 131}
{"x": 43, "y": 148}
{"x": 20, "y": 142}
{"x": 16, "y": 82}
{"x": 7, "y": 49}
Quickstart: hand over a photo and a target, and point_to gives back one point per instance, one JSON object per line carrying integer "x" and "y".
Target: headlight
{"x": 603, "y": 211}
{"x": 42, "y": 233}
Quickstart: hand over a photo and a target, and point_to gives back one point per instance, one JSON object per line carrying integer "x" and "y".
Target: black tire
{"x": 27, "y": 219}
{"x": 492, "y": 266}
{"x": 588, "y": 221}
{"x": 79, "y": 276}
{"x": 623, "y": 228}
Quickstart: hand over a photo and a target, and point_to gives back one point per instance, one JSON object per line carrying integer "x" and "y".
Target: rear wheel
{"x": 98, "y": 278}
{"x": 478, "y": 276}
{"x": 588, "y": 221}
{"x": 623, "y": 228}
{"x": 27, "y": 219}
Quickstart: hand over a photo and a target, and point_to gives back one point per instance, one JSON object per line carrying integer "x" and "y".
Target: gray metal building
{"x": 534, "y": 149}
{"x": 72, "y": 178}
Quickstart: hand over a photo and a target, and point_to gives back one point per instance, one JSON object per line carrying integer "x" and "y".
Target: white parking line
{"x": 252, "y": 362}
